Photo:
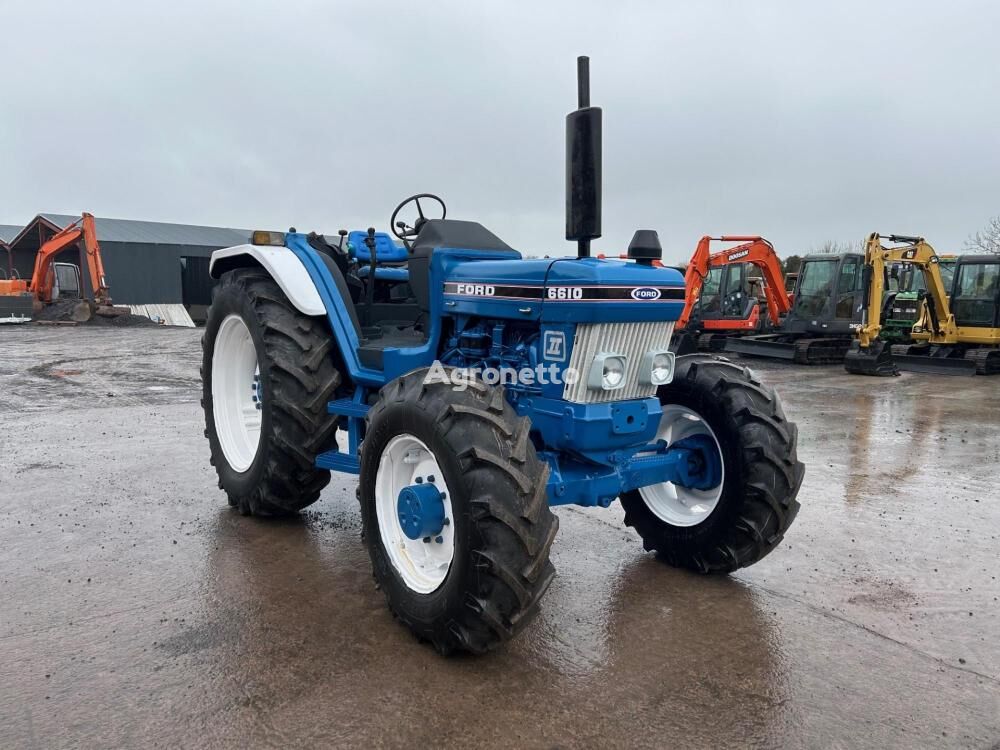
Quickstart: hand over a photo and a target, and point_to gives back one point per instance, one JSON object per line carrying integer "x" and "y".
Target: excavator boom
{"x": 753, "y": 250}
{"x": 948, "y": 344}
{"x": 91, "y": 263}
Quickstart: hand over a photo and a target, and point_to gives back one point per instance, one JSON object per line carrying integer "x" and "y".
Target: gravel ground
{"x": 138, "y": 609}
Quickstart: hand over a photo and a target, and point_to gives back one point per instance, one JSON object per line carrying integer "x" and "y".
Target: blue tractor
{"x": 472, "y": 389}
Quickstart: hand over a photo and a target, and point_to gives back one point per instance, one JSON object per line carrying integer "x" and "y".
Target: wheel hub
{"x": 703, "y": 468}
{"x": 414, "y": 511}
{"x": 690, "y": 502}
{"x": 420, "y": 508}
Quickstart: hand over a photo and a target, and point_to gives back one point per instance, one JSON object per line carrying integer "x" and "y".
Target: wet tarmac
{"x": 136, "y": 609}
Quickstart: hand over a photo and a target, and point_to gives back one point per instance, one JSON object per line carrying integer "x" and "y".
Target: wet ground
{"x": 137, "y": 610}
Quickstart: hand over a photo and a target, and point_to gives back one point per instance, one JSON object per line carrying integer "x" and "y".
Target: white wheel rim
{"x": 423, "y": 566}
{"x": 236, "y": 393}
{"x": 682, "y": 506}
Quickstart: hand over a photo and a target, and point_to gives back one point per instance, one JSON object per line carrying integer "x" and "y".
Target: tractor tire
{"x": 479, "y": 581}
{"x": 286, "y": 358}
{"x": 747, "y": 516}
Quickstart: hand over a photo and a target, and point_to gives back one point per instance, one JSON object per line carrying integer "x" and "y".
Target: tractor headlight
{"x": 607, "y": 372}
{"x": 657, "y": 368}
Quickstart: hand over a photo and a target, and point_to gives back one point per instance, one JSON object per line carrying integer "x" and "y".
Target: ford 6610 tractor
{"x": 472, "y": 389}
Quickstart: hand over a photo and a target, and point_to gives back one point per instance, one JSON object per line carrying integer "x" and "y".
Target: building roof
{"x": 156, "y": 232}
{"x": 9, "y": 232}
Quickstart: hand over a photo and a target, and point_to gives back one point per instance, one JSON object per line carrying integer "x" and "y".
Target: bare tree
{"x": 834, "y": 247}
{"x": 986, "y": 240}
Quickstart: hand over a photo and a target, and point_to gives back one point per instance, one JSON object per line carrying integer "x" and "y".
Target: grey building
{"x": 145, "y": 262}
{"x": 7, "y": 233}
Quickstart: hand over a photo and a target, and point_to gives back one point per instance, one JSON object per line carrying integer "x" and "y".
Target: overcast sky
{"x": 802, "y": 122}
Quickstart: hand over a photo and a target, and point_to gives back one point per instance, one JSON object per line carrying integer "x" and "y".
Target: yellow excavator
{"x": 957, "y": 331}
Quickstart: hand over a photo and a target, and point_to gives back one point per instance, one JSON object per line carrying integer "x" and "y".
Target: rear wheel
{"x": 454, "y": 512}
{"x": 267, "y": 375}
{"x": 742, "y": 519}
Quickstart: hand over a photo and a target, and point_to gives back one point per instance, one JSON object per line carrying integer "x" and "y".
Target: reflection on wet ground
{"x": 136, "y": 608}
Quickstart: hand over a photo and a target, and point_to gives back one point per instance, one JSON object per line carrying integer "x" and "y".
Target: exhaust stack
{"x": 583, "y": 165}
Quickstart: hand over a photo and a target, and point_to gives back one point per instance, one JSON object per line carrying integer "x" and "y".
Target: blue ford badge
{"x": 645, "y": 293}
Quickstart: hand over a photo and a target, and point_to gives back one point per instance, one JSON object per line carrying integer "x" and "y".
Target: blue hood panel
{"x": 565, "y": 290}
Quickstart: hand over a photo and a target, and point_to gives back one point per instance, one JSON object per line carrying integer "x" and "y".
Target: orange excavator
{"x": 20, "y": 298}
{"x": 723, "y": 299}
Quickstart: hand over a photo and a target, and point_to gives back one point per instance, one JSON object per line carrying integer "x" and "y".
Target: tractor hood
{"x": 565, "y": 290}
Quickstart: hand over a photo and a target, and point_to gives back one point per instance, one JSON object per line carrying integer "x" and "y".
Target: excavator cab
{"x": 733, "y": 292}
{"x": 975, "y": 297}
{"x": 65, "y": 281}
{"x": 725, "y": 295}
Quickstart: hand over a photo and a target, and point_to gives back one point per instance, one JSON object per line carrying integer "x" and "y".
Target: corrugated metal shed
{"x": 145, "y": 262}
{"x": 157, "y": 233}
{"x": 9, "y": 232}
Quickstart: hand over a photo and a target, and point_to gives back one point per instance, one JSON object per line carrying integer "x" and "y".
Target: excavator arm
{"x": 754, "y": 250}
{"x": 868, "y": 355}
{"x": 92, "y": 265}
{"x": 920, "y": 255}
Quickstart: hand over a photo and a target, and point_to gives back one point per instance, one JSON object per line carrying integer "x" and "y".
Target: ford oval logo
{"x": 645, "y": 293}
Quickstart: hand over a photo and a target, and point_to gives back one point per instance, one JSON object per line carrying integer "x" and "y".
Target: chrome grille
{"x": 630, "y": 339}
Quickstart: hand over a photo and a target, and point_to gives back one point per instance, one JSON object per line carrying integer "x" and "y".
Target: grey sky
{"x": 799, "y": 121}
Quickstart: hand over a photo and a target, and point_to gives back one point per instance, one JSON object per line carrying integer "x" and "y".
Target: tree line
{"x": 985, "y": 241}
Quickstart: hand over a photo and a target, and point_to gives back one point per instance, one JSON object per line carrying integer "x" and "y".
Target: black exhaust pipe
{"x": 583, "y": 165}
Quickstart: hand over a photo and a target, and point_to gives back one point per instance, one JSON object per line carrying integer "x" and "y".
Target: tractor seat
{"x": 386, "y": 251}
{"x": 385, "y": 273}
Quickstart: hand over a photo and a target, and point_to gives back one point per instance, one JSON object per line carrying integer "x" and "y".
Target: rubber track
{"x": 821, "y": 351}
{"x": 987, "y": 360}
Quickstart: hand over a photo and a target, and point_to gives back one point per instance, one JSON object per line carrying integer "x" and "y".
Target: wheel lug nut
{"x": 439, "y": 540}
{"x": 427, "y": 540}
{"x": 430, "y": 478}
{"x": 419, "y": 480}
{"x": 447, "y": 522}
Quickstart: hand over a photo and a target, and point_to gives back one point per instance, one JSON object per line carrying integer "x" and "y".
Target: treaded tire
{"x": 762, "y": 473}
{"x": 502, "y": 523}
{"x": 298, "y": 378}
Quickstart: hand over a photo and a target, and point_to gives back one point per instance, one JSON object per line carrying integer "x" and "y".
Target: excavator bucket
{"x": 874, "y": 360}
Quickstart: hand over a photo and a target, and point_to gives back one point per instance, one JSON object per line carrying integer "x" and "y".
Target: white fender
{"x": 285, "y": 268}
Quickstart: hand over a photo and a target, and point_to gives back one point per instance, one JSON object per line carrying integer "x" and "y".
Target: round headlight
{"x": 662, "y": 368}
{"x": 614, "y": 372}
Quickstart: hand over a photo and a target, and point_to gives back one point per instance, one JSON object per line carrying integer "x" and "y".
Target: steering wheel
{"x": 406, "y": 232}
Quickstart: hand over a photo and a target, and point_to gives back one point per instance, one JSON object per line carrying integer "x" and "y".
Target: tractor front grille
{"x": 905, "y": 312}
{"x": 632, "y": 340}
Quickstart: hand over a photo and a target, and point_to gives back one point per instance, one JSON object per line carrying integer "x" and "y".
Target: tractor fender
{"x": 283, "y": 266}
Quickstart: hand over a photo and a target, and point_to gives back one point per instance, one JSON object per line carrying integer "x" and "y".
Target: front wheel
{"x": 454, "y": 512}
{"x": 745, "y": 516}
